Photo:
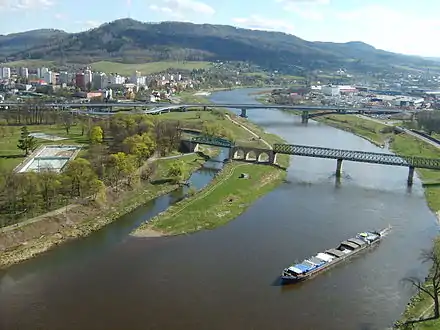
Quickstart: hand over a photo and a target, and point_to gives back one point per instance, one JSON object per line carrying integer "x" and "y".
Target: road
{"x": 199, "y": 105}
{"x": 406, "y": 131}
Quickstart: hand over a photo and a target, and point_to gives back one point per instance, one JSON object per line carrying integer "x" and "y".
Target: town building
{"x": 48, "y": 77}
{"x": 88, "y": 78}
{"x": 116, "y": 79}
{"x": 24, "y": 72}
{"x": 41, "y": 72}
{"x": 6, "y": 73}
{"x": 330, "y": 90}
{"x": 80, "y": 80}
{"x": 100, "y": 80}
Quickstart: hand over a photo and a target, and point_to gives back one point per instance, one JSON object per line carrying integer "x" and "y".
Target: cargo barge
{"x": 324, "y": 260}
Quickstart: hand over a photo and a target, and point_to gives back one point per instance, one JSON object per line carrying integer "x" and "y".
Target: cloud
{"x": 305, "y": 2}
{"x": 389, "y": 29}
{"x": 89, "y": 24}
{"x": 180, "y": 8}
{"x": 60, "y": 16}
{"x": 256, "y": 22}
{"x": 6, "y": 5}
{"x": 307, "y": 9}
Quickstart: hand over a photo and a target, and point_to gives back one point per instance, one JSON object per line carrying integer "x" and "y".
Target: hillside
{"x": 18, "y": 42}
{"x": 131, "y": 41}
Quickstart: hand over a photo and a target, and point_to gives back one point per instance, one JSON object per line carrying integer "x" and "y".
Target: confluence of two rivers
{"x": 227, "y": 278}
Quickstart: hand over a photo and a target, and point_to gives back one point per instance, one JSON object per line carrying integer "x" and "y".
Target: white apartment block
{"x": 41, "y": 72}
{"x": 117, "y": 80}
{"x": 139, "y": 81}
{"x": 6, "y": 73}
{"x": 88, "y": 77}
{"x": 24, "y": 72}
{"x": 100, "y": 80}
{"x": 48, "y": 77}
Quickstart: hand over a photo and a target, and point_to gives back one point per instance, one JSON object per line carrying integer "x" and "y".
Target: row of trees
{"x": 429, "y": 121}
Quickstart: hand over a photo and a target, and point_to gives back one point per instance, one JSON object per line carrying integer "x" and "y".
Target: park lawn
{"x": 11, "y": 156}
{"x": 242, "y": 137}
{"x": 224, "y": 199}
{"x": 146, "y": 68}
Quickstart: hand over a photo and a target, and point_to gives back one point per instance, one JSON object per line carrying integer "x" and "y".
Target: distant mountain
{"x": 131, "y": 41}
{"x": 19, "y": 42}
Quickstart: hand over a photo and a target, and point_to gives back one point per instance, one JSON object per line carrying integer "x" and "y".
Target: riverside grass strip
{"x": 222, "y": 201}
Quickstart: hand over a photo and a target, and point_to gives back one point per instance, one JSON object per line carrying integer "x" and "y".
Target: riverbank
{"x": 65, "y": 224}
{"x": 421, "y": 306}
{"x": 226, "y": 197}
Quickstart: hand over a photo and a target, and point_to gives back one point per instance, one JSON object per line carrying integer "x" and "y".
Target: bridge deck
{"x": 357, "y": 156}
{"x": 155, "y": 106}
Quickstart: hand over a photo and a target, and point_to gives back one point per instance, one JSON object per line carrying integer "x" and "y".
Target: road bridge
{"x": 154, "y": 108}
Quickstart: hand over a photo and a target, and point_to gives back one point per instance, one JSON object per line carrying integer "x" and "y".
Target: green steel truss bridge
{"x": 320, "y": 152}
{"x": 357, "y": 156}
{"x": 212, "y": 141}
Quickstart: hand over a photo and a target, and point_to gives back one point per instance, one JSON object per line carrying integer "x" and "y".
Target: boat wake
{"x": 386, "y": 231}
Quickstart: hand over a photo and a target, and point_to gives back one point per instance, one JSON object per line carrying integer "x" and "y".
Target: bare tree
{"x": 430, "y": 287}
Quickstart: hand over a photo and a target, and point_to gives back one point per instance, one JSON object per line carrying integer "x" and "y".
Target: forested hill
{"x": 132, "y": 41}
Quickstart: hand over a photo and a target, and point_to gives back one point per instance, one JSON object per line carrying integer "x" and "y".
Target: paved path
{"x": 250, "y": 131}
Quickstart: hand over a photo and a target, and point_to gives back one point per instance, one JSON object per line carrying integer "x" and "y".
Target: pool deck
{"x": 46, "y": 152}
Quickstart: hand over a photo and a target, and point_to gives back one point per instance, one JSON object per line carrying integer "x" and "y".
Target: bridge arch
{"x": 239, "y": 154}
{"x": 263, "y": 157}
{"x": 251, "y": 155}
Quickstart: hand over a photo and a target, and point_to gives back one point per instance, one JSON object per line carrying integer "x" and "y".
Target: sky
{"x": 402, "y": 26}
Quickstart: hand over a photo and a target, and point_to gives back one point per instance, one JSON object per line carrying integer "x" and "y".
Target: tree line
{"x": 428, "y": 121}
{"x": 118, "y": 147}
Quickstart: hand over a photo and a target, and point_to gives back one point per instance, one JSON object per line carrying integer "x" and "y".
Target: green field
{"x": 222, "y": 201}
{"x": 31, "y": 64}
{"x": 146, "y": 68}
{"x": 11, "y": 156}
{"x": 368, "y": 129}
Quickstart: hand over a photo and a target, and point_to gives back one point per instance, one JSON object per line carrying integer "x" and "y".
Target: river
{"x": 227, "y": 278}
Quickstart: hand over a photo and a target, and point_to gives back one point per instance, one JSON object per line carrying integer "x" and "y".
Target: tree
{"x": 26, "y": 142}
{"x": 96, "y": 135}
{"x": 98, "y": 191}
{"x": 176, "y": 171}
{"x": 121, "y": 165}
{"x": 67, "y": 120}
{"x": 80, "y": 175}
{"x": 141, "y": 146}
{"x": 431, "y": 287}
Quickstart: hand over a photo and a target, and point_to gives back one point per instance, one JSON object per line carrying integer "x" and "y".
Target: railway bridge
{"x": 269, "y": 156}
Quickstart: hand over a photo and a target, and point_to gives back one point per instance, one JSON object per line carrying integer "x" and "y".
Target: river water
{"x": 227, "y": 278}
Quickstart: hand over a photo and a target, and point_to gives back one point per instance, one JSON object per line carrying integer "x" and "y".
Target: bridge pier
{"x": 243, "y": 113}
{"x": 204, "y": 108}
{"x": 338, "y": 168}
{"x": 305, "y": 117}
{"x": 410, "y": 175}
